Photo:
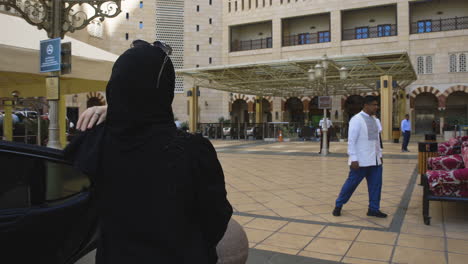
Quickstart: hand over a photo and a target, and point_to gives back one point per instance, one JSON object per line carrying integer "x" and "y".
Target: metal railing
{"x": 370, "y": 32}
{"x": 306, "y": 38}
{"x": 253, "y": 44}
{"x": 246, "y": 131}
{"x": 436, "y": 25}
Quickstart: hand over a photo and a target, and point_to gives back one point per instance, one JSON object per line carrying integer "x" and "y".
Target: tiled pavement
{"x": 283, "y": 195}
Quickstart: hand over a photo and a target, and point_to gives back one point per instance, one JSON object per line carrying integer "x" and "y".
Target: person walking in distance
{"x": 321, "y": 126}
{"x": 406, "y": 131}
{"x": 365, "y": 158}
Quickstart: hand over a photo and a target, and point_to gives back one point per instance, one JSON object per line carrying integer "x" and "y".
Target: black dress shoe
{"x": 377, "y": 213}
{"x": 337, "y": 211}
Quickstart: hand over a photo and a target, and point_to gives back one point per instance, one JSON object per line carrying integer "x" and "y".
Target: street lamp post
{"x": 319, "y": 74}
{"x": 58, "y": 17}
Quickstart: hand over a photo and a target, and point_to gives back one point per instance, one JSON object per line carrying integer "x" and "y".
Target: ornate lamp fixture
{"x": 58, "y": 17}
{"x": 318, "y": 74}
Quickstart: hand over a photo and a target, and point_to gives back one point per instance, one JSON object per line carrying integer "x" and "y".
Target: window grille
{"x": 428, "y": 69}
{"x": 457, "y": 62}
{"x": 170, "y": 29}
{"x": 384, "y": 30}
{"x": 420, "y": 65}
{"x": 424, "y": 64}
{"x": 424, "y": 26}
{"x": 462, "y": 62}
{"x": 453, "y": 63}
{"x": 324, "y": 36}
{"x": 362, "y": 32}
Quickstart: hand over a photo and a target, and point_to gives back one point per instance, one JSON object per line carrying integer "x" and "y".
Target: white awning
{"x": 19, "y": 60}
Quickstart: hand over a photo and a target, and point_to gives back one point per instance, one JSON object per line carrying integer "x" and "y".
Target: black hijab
{"x": 139, "y": 95}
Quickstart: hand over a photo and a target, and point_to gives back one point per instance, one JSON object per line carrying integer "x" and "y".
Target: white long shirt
{"x": 329, "y": 123}
{"x": 364, "y": 140}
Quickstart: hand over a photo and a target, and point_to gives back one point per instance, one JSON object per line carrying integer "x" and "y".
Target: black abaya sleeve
{"x": 214, "y": 207}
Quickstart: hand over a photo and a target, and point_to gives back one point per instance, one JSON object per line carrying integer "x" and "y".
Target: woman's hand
{"x": 92, "y": 116}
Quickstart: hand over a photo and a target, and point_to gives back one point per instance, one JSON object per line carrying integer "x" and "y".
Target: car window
{"x": 62, "y": 180}
{"x": 27, "y": 181}
{"x": 15, "y": 187}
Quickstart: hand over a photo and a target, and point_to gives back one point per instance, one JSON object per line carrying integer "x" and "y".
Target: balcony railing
{"x": 252, "y": 44}
{"x": 370, "y": 32}
{"x": 436, "y": 25}
{"x": 306, "y": 38}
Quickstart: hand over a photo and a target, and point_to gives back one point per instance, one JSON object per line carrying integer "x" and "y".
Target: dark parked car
{"x": 47, "y": 210}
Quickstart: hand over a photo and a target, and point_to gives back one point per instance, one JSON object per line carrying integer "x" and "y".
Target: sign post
{"x": 50, "y": 50}
{"x": 324, "y": 102}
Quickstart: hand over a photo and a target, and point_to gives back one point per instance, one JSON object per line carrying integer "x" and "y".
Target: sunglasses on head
{"x": 159, "y": 44}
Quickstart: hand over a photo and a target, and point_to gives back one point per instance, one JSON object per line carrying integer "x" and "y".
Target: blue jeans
{"x": 406, "y": 138}
{"x": 373, "y": 175}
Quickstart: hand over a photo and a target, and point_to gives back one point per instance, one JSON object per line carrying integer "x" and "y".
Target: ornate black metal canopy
{"x": 74, "y": 14}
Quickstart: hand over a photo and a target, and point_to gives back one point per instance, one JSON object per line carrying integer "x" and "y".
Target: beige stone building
{"x": 433, "y": 33}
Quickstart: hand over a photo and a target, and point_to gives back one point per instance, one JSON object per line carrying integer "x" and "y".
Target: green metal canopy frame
{"x": 289, "y": 77}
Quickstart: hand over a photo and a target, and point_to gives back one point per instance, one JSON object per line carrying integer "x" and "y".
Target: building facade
{"x": 433, "y": 33}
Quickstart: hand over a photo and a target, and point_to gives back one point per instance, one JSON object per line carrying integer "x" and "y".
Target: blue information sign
{"x": 50, "y": 55}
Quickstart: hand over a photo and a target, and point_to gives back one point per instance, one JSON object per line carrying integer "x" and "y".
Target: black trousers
{"x": 406, "y": 138}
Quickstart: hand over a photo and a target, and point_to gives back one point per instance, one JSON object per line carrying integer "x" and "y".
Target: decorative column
{"x": 8, "y": 121}
{"x": 386, "y": 106}
{"x": 259, "y": 109}
{"x": 250, "y": 110}
{"x": 193, "y": 111}
{"x": 283, "y": 110}
{"x": 441, "y": 120}
{"x": 305, "y": 105}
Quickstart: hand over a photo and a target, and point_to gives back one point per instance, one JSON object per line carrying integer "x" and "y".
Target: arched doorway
{"x": 294, "y": 110}
{"x": 425, "y": 109}
{"x": 457, "y": 108}
{"x": 267, "y": 117}
{"x": 95, "y": 99}
{"x": 240, "y": 113}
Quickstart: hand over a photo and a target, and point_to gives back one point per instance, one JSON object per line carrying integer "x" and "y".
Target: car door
{"x": 47, "y": 211}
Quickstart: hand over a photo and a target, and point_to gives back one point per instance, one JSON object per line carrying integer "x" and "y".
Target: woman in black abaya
{"x": 161, "y": 192}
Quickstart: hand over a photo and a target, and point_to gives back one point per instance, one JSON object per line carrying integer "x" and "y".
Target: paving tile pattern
{"x": 284, "y": 201}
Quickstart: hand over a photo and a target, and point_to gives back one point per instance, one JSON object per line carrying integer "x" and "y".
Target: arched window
{"x": 462, "y": 62}
{"x": 428, "y": 65}
{"x": 420, "y": 63}
{"x": 424, "y": 64}
{"x": 453, "y": 63}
